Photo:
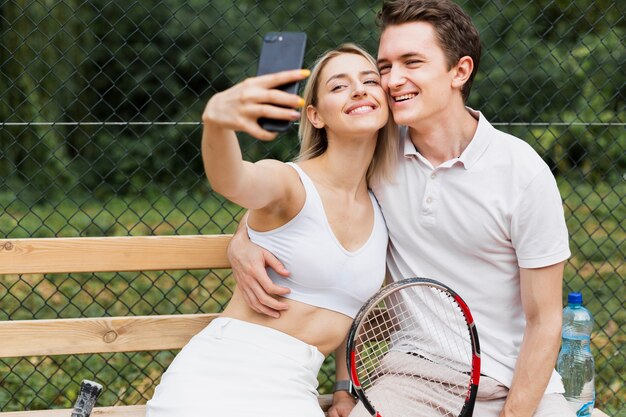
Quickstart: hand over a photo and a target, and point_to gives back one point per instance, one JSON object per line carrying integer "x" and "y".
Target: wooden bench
{"x": 24, "y": 338}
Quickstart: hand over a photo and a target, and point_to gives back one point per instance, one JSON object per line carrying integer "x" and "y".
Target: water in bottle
{"x": 575, "y": 363}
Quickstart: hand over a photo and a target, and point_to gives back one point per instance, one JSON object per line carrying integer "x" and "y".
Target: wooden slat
{"x": 112, "y": 254}
{"x": 97, "y": 335}
{"x": 121, "y": 411}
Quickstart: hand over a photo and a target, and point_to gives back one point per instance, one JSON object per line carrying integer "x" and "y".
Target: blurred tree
{"x": 154, "y": 64}
{"x": 37, "y": 58}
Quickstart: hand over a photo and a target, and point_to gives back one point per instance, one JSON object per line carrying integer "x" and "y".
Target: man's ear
{"x": 314, "y": 117}
{"x": 462, "y": 71}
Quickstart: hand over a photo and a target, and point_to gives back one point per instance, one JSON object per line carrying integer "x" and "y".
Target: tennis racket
{"x": 89, "y": 393}
{"x": 413, "y": 350}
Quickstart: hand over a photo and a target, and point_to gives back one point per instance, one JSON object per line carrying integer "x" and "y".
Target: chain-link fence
{"x": 99, "y": 108}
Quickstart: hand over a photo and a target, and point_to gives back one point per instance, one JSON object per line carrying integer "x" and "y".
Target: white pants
{"x": 492, "y": 395}
{"x": 238, "y": 369}
{"x": 407, "y": 396}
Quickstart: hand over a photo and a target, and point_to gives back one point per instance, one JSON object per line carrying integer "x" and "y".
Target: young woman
{"x": 317, "y": 216}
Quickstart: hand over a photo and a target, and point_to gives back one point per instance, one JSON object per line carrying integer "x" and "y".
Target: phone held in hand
{"x": 281, "y": 51}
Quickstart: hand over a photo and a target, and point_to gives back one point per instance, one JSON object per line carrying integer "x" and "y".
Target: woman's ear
{"x": 314, "y": 117}
{"x": 462, "y": 72}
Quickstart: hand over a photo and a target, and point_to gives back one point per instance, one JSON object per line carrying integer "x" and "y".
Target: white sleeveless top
{"x": 323, "y": 273}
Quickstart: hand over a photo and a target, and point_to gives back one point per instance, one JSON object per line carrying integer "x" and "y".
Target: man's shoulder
{"x": 509, "y": 157}
{"x": 512, "y": 142}
{"x": 509, "y": 146}
{"x": 491, "y": 134}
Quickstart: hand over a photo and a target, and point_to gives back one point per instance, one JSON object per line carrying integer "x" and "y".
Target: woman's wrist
{"x": 213, "y": 114}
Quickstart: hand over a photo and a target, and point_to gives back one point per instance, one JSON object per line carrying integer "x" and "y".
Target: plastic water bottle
{"x": 575, "y": 363}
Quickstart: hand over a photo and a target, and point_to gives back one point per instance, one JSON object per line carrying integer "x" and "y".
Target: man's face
{"x": 415, "y": 73}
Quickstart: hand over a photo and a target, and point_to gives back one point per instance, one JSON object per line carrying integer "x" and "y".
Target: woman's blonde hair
{"x": 313, "y": 141}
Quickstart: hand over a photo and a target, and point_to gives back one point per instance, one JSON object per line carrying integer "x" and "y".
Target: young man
{"x": 470, "y": 206}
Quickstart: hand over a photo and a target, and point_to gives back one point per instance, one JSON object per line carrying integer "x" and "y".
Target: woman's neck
{"x": 344, "y": 165}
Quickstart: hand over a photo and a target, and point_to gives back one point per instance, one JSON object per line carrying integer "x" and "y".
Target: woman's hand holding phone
{"x": 240, "y": 107}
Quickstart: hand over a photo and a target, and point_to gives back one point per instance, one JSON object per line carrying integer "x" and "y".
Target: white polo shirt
{"x": 471, "y": 223}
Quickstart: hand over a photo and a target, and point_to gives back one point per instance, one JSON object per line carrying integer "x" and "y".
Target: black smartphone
{"x": 281, "y": 51}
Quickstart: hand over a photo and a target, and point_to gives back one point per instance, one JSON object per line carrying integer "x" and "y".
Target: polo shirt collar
{"x": 473, "y": 151}
{"x": 479, "y": 143}
{"x": 409, "y": 148}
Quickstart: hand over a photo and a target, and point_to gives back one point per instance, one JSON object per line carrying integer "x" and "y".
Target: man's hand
{"x": 343, "y": 403}
{"x": 248, "y": 262}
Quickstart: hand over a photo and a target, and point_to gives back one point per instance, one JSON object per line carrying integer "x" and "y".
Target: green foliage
{"x": 34, "y": 66}
{"x": 558, "y": 65}
{"x": 158, "y": 62}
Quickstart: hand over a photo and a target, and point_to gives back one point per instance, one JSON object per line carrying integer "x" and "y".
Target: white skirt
{"x": 237, "y": 369}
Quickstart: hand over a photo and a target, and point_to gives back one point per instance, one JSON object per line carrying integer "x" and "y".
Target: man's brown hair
{"x": 456, "y": 33}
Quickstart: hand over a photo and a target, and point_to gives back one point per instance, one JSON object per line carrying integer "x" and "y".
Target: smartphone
{"x": 281, "y": 51}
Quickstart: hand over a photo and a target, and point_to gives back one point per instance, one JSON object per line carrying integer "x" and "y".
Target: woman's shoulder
{"x": 282, "y": 171}
{"x": 285, "y": 177}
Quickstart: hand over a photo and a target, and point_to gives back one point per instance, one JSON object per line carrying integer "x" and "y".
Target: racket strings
{"x": 416, "y": 337}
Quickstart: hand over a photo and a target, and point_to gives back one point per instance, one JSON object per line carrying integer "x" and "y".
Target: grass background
{"x": 594, "y": 215}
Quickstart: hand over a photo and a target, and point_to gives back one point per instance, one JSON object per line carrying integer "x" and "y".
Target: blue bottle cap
{"x": 574, "y": 298}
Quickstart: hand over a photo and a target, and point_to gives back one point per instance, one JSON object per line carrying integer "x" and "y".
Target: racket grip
{"x": 89, "y": 393}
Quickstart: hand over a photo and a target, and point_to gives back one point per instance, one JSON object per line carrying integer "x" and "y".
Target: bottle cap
{"x": 575, "y": 298}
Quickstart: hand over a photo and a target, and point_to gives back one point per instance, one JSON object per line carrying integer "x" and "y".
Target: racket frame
{"x": 372, "y": 303}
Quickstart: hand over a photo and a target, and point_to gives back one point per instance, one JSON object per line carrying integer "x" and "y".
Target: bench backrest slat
{"x": 112, "y": 254}
{"x": 117, "y": 411}
{"x": 97, "y": 335}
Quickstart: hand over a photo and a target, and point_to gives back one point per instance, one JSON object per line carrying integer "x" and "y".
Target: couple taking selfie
{"x": 395, "y": 178}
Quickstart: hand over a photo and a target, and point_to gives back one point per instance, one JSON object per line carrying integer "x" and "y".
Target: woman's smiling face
{"x": 350, "y": 99}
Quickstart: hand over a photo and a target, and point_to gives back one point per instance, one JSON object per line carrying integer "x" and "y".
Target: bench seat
{"x": 120, "y": 411}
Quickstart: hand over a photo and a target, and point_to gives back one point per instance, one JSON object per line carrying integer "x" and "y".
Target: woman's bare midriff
{"x": 322, "y": 328}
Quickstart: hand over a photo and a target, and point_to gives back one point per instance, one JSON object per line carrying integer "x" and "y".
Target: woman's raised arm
{"x": 249, "y": 185}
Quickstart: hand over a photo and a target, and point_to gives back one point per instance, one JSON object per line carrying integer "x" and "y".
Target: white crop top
{"x": 323, "y": 273}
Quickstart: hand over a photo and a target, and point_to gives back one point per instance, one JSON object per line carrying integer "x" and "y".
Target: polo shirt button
{"x": 433, "y": 176}
{"x": 429, "y": 200}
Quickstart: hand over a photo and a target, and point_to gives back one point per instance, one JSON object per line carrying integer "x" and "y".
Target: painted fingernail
{"x": 305, "y": 72}
{"x": 300, "y": 102}
{"x": 295, "y": 115}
